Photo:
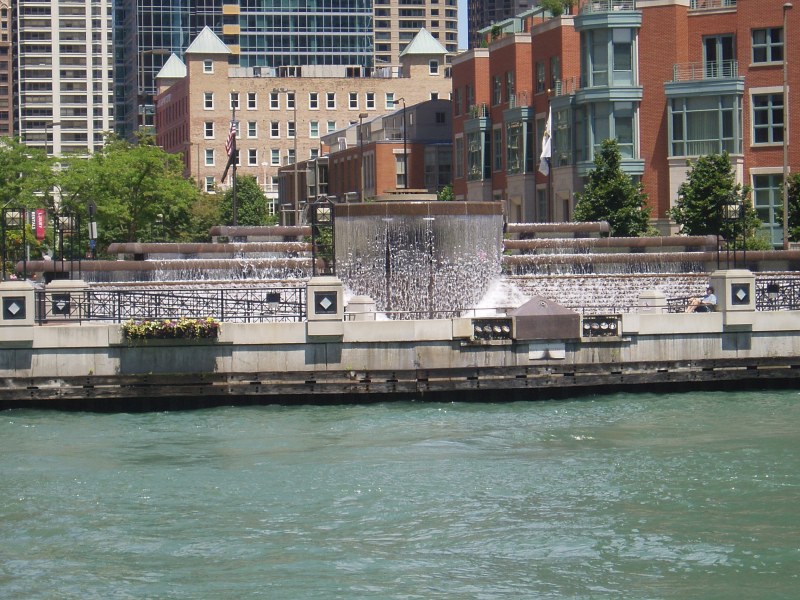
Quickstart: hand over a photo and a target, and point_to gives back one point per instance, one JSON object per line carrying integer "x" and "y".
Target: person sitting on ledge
{"x": 707, "y": 303}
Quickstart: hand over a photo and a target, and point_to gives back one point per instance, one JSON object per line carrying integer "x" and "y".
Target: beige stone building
{"x": 281, "y": 114}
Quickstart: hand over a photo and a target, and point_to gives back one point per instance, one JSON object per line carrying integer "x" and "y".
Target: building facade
{"x": 6, "y": 71}
{"x": 714, "y": 84}
{"x": 484, "y": 13}
{"x": 280, "y": 118}
{"x": 63, "y": 74}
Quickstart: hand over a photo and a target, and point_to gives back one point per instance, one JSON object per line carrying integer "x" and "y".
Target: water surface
{"x": 624, "y": 496}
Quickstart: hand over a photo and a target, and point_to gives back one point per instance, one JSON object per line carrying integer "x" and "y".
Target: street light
{"x": 786, "y": 8}
{"x": 361, "y": 117}
{"x": 296, "y": 199}
{"x": 405, "y": 152}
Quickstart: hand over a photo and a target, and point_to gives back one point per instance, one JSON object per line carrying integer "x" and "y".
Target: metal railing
{"x": 770, "y": 295}
{"x": 239, "y": 305}
{"x": 696, "y": 71}
{"x": 711, "y": 4}
{"x": 600, "y": 6}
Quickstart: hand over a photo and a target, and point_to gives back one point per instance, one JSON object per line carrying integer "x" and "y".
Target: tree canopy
{"x": 794, "y": 208}
{"x": 700, "y": 208}
{"x": 251, "y": 204}
{"x": 611, "y": 195}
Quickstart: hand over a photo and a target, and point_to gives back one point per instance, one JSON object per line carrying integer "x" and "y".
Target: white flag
{"x": 544, "y": 157}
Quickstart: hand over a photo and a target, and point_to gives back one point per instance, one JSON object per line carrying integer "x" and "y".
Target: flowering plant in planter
{"x": 182, "y": 329}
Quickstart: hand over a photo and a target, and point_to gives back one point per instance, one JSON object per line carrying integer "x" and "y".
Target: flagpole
{"x": 233, "y": 159}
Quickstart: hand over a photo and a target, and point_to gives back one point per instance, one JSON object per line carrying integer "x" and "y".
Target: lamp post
{"x": 361, "y": 117}
{"x": 296, "y": 199}
{"x": 405, "y": 145}
{"x": 786, "y": 8}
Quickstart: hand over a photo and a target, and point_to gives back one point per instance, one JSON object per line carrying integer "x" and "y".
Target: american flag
{"x": 230, "y": 145}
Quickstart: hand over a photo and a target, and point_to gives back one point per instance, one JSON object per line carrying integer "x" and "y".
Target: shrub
{"x": 183, "y": 329}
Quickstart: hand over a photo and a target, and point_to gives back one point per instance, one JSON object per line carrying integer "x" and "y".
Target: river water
{"x": 621, "y": 496}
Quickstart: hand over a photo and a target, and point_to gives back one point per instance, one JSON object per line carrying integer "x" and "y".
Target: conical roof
{"x": 207, "y": 42}
{"x": 424, "y": 43}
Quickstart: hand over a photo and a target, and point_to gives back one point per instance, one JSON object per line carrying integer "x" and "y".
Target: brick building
{"x": 670, "y": 80}
{"x": 282, "y": 113}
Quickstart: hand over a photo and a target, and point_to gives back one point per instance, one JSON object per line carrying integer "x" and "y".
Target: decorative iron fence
{"x": 771, "y": 294}
{"x": 238, "y": 305}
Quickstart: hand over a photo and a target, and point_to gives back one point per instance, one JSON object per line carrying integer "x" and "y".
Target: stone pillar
{"x": 362, "y": 308}
{"x": 652, "y": 301}
{"x": 18, "y": 311}
{"x": 736, "y": 296}
{"x": 325, "y": 299}
{"x": 65, "y": 300}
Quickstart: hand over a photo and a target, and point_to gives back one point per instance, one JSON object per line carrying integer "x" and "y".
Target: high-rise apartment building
{"x": 63, "y": 73}
{"x": 271, "y": 34}
{"x": 483, "y": 13}
{"x": 6, "y": 88}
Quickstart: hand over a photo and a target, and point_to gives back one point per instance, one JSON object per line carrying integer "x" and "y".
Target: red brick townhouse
{"x": 670, "y": 80}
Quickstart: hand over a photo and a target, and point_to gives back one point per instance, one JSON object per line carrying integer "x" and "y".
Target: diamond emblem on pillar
{"x": 740, "y": 294}
{"x": 325, "y": 303}
{"x": 14, "y": 308}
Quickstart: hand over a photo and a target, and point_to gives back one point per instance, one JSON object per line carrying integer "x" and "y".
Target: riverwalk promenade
{"x": 349, "y": 354}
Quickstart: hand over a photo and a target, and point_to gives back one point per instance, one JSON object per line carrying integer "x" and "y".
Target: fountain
{"x": 419, "y": 257}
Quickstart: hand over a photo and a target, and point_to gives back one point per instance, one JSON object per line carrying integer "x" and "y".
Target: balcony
{"x": 603, "y": 6}
{"x": 726, "y": 69}
{"x": 711, "y": 4}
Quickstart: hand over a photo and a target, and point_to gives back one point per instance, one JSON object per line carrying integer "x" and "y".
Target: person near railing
{"x": 706, "y": 303}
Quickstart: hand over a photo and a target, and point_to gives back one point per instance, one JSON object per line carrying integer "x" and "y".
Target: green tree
{"x": 251, "y": 204}
{"x": 26, "y": 175}
{"x": 446, "y": 193}
{"x": 611, "y": 195}
{"x": 557, "y": 7}
{"x": 139, "y": 191}
{"x": 700, "y": 208}
{"x": 794, "y": 208}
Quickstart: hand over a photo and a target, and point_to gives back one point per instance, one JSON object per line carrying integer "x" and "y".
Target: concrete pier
{"x": 337, "y": 356}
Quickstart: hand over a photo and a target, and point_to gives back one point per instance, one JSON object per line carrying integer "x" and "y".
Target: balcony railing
{"x": 726, "y": 69}
{"x": 519, "y": 99}
{"x": 601, "y": 6}
{"x": 478, "y": 111}
{"x": 567, "y": 86}
{"x": 711, "y": 4}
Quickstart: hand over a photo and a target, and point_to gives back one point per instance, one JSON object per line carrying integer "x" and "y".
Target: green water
{"x": 625, "y": 496}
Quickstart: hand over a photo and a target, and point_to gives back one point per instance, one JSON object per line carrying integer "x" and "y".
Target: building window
{"x": 561, "y": 149}
{"x": 275, "y": 157}
{"x": 208, "y": 66}
{"x": 440, "y": 117}
{"x": 313, "y": 129}
{"x": 459, "y": 151}
{"x": 400, "y": 171}
{"x": 252, "y": 157}
{"x": 370, "y": 100}
{"x": 768, "y": 45}
{"x": 768, "y": 118}
{"x": 274, "y": 101}
{"x": 252, "y": 129}
{"x": 331, "y": 126}
{"x": 497, "y": 149}
{"x": 475, "y": 156}
{"x": 208, "y": 100}
{"x": 497, "y": 91}
{"x": 275, "y": 129}
{"x": 539, "y": 77}
{"x": 252, "y": 101}
{"x": 290, "y": 156}
{"x": 509, "y": 85}
{"x": 313, "y": 100}
{"x": 210, "y": 185}
{"x": 208, "y": 130}
{"x": 433, "y": 67}
{"x": 719, "y": 56}
{"x": 353, "y": 100}
{"x": 209, "y": 157}
{"x": 513, "y": 148}
{"x": 611, "y": 120}
{"x": 701, "y": 125}
{"x": 313, "y": 153}
{"x": 234, "y": 101}
{"x": 290, "y": 100}
{"x": 768, "y": 203}
{"x": 390, "y": 102}
{"x": 330, "y": 100}
{"x": 290, "y": 130}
